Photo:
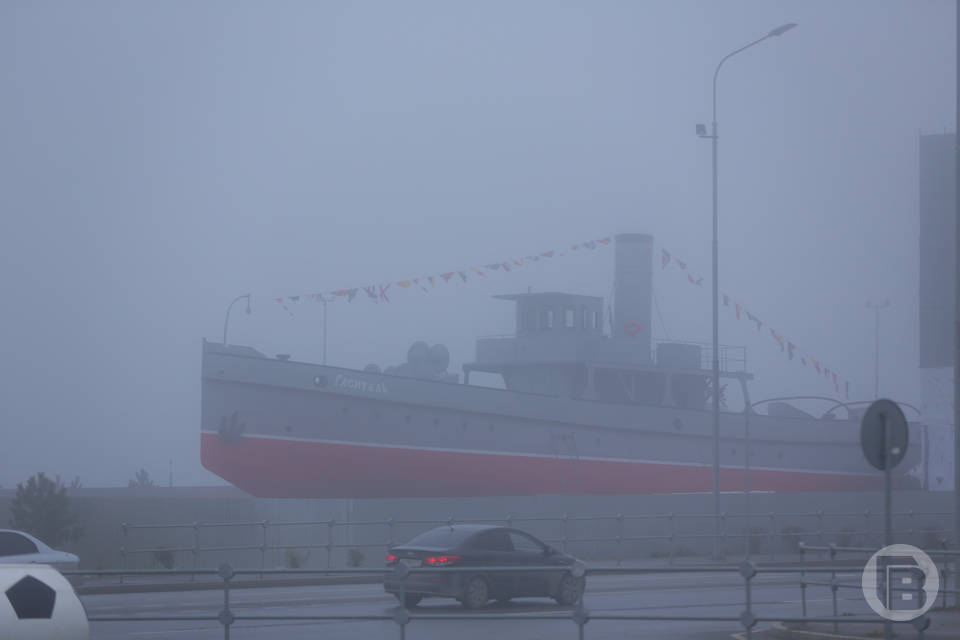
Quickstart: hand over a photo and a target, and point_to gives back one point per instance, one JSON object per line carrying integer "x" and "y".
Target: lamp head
{"x": 248, "y": 304}
{"x": 782, "y": 29}
{"x": 701, "y": 130}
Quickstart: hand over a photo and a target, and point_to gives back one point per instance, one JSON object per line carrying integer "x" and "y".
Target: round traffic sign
{"x": 883, "y": 434}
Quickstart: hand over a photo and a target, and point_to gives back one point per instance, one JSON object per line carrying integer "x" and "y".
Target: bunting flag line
{"x": 379, "y": 293}
{"x": 786, "y": 346}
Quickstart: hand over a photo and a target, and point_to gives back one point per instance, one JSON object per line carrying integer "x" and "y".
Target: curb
{"x": 158, "y": 587}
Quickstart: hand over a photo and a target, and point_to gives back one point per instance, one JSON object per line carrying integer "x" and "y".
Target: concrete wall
{"x": 847, "y": 516}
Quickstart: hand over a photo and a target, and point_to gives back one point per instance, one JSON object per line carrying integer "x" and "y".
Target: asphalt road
{"x": 690, "y": 594}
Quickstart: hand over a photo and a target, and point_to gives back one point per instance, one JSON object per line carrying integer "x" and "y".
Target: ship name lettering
{"x": 356, "y": 384}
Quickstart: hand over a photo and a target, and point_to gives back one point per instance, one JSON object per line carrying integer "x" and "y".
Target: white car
{"x": 17, "y": 547}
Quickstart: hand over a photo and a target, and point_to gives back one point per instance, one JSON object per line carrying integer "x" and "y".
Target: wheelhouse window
{"x": 548, "y": 321}
{"x": 568, "y": 317}
{"x": 596, "y": 320}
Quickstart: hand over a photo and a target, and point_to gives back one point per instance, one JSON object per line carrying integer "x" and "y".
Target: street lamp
{"x": 701, "y": 131}
{"x": 876, "y": 346}
{"x": 226, "y": 319}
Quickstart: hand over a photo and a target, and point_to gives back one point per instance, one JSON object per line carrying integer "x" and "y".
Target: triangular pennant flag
{"x": 574, "y": 247}
{"x": 836, "y": 387}
{"x": 739, "y": 308}
{"x": 446, "y": 276}
{"x": 590, "y": 245}
{"x": 803, "y": 361}
{"x": 680, "y": 263}
{"x": 403, "y": 283}
{"x": 816, "y": 365}
{"x": 339, "y": 292}
{"x": 776, "y": 336}
{"x": 371, "y": 291}
{"x": 294, "y": 298}
{"x": 755, "y": 319}
{"x": 383, "y": 292}
{"x": 462, "y": 274}
{"x": 726, "y": 300}
{"x": 547, "y": 254}
{"x": 506, "y": 266}
{"x": 518, "y": 263}
{"x": 433, "y": 281}
{"x": 790, "y": 348}
{"x": 493, "y": 267}
{"x": 664, "y": 258}
{"x": 478, "y": 272}
{"x": 604, "y": 240}
{"x": 285, "y": 308}
{"x": 351, "y": 293}
{"x": 847, "y": 387}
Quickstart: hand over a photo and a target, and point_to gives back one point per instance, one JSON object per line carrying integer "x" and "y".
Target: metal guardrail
{"x": 579, "y": 615}
{"x": 748, "y": 532}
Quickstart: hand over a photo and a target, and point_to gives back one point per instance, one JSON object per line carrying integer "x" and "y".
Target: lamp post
{"x": 226, "y": 318}
{"x": 714, "y": 137}
{"x": 876, "y": 345}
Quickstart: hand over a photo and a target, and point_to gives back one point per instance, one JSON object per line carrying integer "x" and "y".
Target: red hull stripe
{"x": 271, "y": 468}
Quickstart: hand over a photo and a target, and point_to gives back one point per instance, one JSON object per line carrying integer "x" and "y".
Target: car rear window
{"x": 441, "y": 537}
{"x": 14, "y": 544}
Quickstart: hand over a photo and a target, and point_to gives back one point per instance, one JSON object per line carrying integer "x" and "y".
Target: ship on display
{"x": 582, "y": 412}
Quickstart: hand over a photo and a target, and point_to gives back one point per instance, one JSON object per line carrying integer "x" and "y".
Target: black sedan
{"x": 479, "y": 546}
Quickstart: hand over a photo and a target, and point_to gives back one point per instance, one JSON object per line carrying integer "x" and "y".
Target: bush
{"x": 355, "y": 558}
{"x": 41, "y": 507}
{"x": 163, "y": 558}
{"x": 293, "y": 559}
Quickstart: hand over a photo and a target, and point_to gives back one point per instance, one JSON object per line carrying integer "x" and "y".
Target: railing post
{"x": 748, "y": 570}
{"x": 263, "y": 547}
{"x": 580, "y": 614}
{"x": 723, "y": 533}
{"x": 330, "y": 525}
{"x": 910, "y": 530}
{"x": 820, "y": 527}
{"x": 563, "y": 531}
{"x": 619, "y": 539}
{"x": 803, "y": 580}
{"x": 196, "y": 550}
{"x": 673, "y": 536}
{"x": 773, "y": 535}
{"x": 389, "y": 532}
{"x": 509, "y": 520}
{"x": 866, "y": 528}
{"x": 400, "y": 614}
{"x": 833, "y": 595}
{"x": 226, "y": 617}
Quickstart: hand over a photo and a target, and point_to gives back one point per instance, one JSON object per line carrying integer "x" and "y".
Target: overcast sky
{"x": 160, "y": 158}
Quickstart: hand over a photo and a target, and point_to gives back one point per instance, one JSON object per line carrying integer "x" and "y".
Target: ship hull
{"x": 296, "y": 430}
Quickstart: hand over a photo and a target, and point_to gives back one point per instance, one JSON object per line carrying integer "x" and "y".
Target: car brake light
{"x": 391, "y": 559}
{"x": 441, "y": 561}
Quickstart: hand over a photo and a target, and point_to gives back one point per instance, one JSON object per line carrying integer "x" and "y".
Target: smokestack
{"x": 633, "y": 291}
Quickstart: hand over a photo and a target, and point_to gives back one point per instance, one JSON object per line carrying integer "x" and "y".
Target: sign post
{"x": 884, "y": 438}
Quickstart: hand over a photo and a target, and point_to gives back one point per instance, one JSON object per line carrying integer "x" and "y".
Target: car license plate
{"x": 410, "y": 562}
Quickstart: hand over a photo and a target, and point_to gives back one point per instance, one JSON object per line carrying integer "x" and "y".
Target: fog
{"x": 159, "y": 159}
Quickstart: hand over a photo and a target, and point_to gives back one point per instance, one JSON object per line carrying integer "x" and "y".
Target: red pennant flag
{"x": 506, "y": 266}
{"x": 739, "y": 308}
{"x": 604, "y": 240}
{"x": 446, "y": 276}
{"x": 371, "y": 292}
{"x": 285, "y": 308}
{"x": 479, "y": 273}
{"x": 547, "y": 254}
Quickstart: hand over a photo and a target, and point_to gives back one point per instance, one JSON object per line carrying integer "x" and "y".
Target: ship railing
{"x": 823, "y": 575}
{"x": 616, "y": 537}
